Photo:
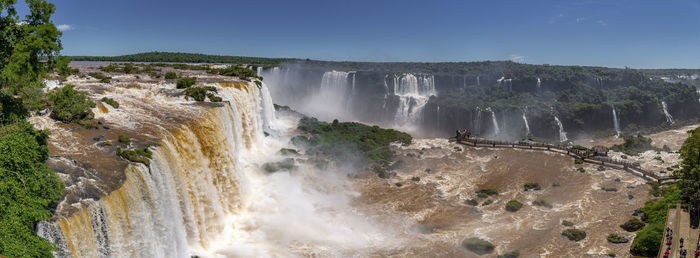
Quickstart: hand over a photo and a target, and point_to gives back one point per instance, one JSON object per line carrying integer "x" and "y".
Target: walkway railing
{"x": 585, "y": 155}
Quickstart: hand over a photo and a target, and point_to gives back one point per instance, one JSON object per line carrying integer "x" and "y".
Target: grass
{"x": 478, "y": 245}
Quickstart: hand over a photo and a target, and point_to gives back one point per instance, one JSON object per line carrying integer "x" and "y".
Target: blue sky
{"x": 639, "y": 34}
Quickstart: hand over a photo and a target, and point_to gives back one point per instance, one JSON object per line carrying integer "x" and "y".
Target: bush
{"x": 633, "y": 145}
{"x": 574, "y": 234}
{"x": 199, "y": 93}
{"x": 170, "y": 75}
{"x": 69, "y": 105}
{"x": 648, "y": 240}
{"x": 581, "y": 170}
{"x": 632, "y": 225}
{"x": 512, "y": 254}
{"x": 513, "y": 205}
{"x": 185, "y": 83}
{"x": 478, "y": 245}
{"x": 609, "y": 189}
{"x": 123, "y": 138}
{"x": 617, "y": 239}
{"x": 110, "y": 102}
{"x": 555, "y": 184}
{"x": 542, "y": 203}
{"x": 487, "y": 202}
{"x": 103, "y": 78}
{"x": 483, "y": 193}
{"x": 532, "y": 186}
{"x": 578, "y": 161}
{"x": 567, "y": 223}
{"x": 137, "y": 155}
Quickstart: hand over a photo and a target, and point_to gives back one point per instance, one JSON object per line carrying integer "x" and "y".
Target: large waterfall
{"x": 669, "y": 118}
{"x": 562, "y": 133}
{"x": 413, "y": 92}
{"x": 616, "y": 121}
{"x": 527, "y": 125}
{"x": 204, "y": 194}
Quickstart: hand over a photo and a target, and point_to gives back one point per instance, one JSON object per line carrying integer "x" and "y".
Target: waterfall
{"x": 477, "y": 121}
{"x": 669, "y": 118}
{"x": 478, "y": 83}
{"x": 259, "y": 70}
{"x": 562, "y": 133}
{"x": 539, "y": 83}
{"x": 527, "y": 125}
{"x": 413, "y": 92}
{"x": 438, "y": 117}
{"x": 616, "y": 122}
{"x": 332, "y": 98}
{"x": 496, "y": 129}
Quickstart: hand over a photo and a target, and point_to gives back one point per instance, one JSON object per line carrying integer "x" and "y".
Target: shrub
{"x": 487, "y": 202}
{"x": 567, "y": 223}
{"x": 136, "y": 155}
{"x": 110, "y": 102}
{"x": 617, "y": 239}
{"x": 123, "y": 138}
{"x": 609, "y": 189}
{"x": 513, "y": 205}
{"x": 542, "y": 203}
{"x": 170, "y": 75}
{"x": 633, "y": 145}
{"x": 581, "y": 170}
{"x": 483, "y": 193}
{"x": 578, "y": 161}
{"x": 632, "y": 225}
{"x": 199, "y": 93}
{"x": 103, "y": 78}
{"x": 611, "y": 254}
{"x": 555, "y": 184}
{"x": 512, "y": 254}
{"x": 532, "y": 186}
{"x": 472, "y": 202}
{"x": 574, "y": 234}
{"x": 185, "y": 82}
{"x": 478, "y": 245}
{"x": 69, "y": 105}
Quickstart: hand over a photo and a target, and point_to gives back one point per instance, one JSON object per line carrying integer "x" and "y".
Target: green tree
{"x": 689, "y": 173}
{"x": 69, "y": 105}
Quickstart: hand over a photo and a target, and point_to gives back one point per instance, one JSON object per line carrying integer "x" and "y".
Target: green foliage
{"x": 69, "y": 105}
{"x": 184, "y": 58}
{"x": 513, "y": 205}
{"x": 632, "y": 225}
{"x": 62, "y": 67}
{"x": 201, "y": 93}
{"x": 633, "y": 145}
{"x": 689, "y": 174}
{"x": 483, "y": 193}
{"x": 581, "y": 170}
{"x": 555, "y": 184}
{"x": 574, "y": 234}
{"x": 123, "y": 138}
{"x": 103, "y": 78}
{"x": 170, "y": 75}
{"x": 111, "y": 102}
{"x": 472, "y": 202}
{"x": 478, "y": 245}
{"x": 578, "y": 161}
{"x": 617, "y": 239}
{"x": 142, "y": 155}
{"x": 567, "y": 223}
{"x": 532, "y": 186}
{"x": 341, "y": 140}
{"x": 648, "y": 240}
{"x": 185, "y": 82}
{"x": 579, "y": 147}
{"x": 609, "y": 189}
{"x": 511, "y": 254}
{"x": 487, "y": 202}
{"x": 238, "y": 71}
{"x": 28, "y": 189}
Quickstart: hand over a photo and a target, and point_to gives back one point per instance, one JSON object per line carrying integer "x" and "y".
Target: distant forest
{"x": 184, "y": 58}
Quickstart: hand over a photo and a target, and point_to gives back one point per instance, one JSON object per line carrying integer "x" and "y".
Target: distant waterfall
{"x": 438, "y": 117}
{"x": 616, "y": 121}
{"x": 478, "y": 83}
{"x": 669, "y": 118}
{"x": 698, "y": 91}
{"x": 539, "y": 83}
{"x": 477, "y": 121}
{"x": 413, "y": 92}
{"x": 260, "y": 70}
{"x": 506, "y": 83}
{"x": 527, "y": 125}
{"x": 496, "y": 129}
{"x": 562, "y": 133}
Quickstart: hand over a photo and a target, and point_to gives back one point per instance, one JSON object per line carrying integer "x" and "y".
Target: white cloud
{"x": 517, "y": 58}
{"x": 64, "y": 27}
{"x": 602, "y": 23}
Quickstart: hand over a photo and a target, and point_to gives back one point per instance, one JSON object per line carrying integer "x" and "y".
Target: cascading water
{"x": 333, "y": 97}
{"x": 494, "y": 121}
{"x": 669, "y": 118}
{"x": 616, "y": 122}
{"x": 413, "y": 92}
{"x": 539, "y": 83}
{"x": 527, "y": 125}
{"x": 478, "y": 83}
{"x": 562, "y": 133}
{"x": 259, "y": 70}
{"x": 477, "y": 121}
{"x": 204, "y": 194}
